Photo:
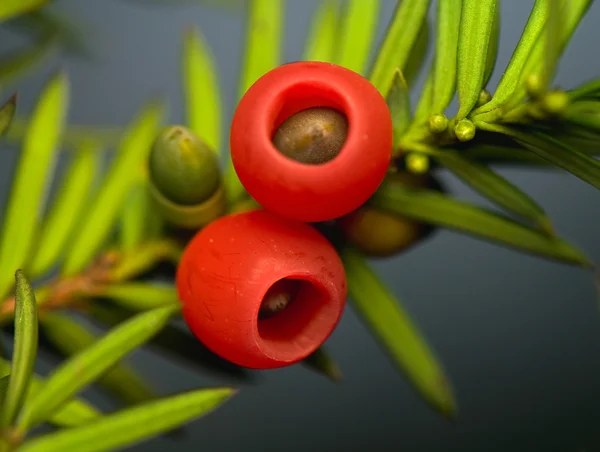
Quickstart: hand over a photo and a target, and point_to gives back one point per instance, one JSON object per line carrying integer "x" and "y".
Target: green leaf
{"x": 571, "y": 14}
{"x": 71, "y": 200}
{"x": 17, "y": 65}
{"x": 498, "y": 154}
{"x": 323, "y": 35}
{"x": 416, "y": 58}
{"x": 263, "y": 53}
{"x": 3, "y": 387}
{"x": 263, "y": 40}
{"x": 175, "y": 343}
{"x": 444, "y": 69}
{"x": 36, "y": 167}
{"x": 322, "y": 363}
{"x": 140, "y": 221}
{"x": 70, "y": 338}
{"x": 397, "y": 333}
{"x": 25, "y": 350}
{"x": 201, "y": 89}
{"x": 7, "y": 113}
{"x": 140, "y": 296}
{"x": 398, "y": 101}
{"x": 495, "y": 187}
{"x": 399, "y": 41}
{"x": 81, "y": 370}
{"x": 552, "y": 42}
{"x": 358, "y": 28}
{"x": 432, "y": 207}
{"x": 74, "y": 135}
{"x": 492, "y": 50}
{"x": 133, "y": 425}
{"x": 73, "y": 413}
{"x": 512, "y": 75}
{"x": 590, "y": 90}
{"x": 476, "y": 24}
{"x": 105, "y": 208}
{"x": 12, "y": 8}
{"x": 584, "y": 113}
{"x": 144, "y": 258}
{"x": 423, "y": 109}
{"x": 580, "y": 165}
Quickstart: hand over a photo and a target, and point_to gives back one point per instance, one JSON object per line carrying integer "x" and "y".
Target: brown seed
{"x": 312, "y": 136}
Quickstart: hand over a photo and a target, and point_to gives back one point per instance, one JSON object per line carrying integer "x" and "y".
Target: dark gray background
{"x": 519, "y": 336}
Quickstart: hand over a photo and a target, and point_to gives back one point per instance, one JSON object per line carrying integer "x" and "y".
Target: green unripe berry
{"x": 182, "y": 167}
{"x": 464, "y": 130}
{"x": 185, "y": 181}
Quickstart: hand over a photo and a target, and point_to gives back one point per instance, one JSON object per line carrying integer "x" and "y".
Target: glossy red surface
{"x": 301, "y": 191}
{"x": 228, "y": 267}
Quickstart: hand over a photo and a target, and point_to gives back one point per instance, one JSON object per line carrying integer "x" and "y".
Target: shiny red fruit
{"x": 311, "y": 192}
{"x": 230, "y": 266}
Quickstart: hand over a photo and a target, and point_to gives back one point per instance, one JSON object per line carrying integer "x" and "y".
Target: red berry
{"x": 314, "y": 189}
{"x": 261, "y": 290}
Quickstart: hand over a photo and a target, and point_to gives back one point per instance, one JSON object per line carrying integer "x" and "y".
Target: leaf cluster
{"x": 99, "y": 242}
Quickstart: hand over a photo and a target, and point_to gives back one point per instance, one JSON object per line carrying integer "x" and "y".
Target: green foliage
{"x": 399, "y": 104}
{"x": 140, "y": 221}
{"x": 400, "y": 39}
{"x": 105, "y": 208}
{"x": 357, "y": 34}
{"x": 134, "y": 424}
{"x": 69, "y": 337}
{"x": 62, "y": 219}
{"x": 105, "y": 234}
{"x": 25, "y": 350}
{"x": 322, "y": 39}
{"x": 263, "y": 53}
{"x": 432, "y": 207}
{"x": 72, "y": 413}
{"x": 87, "y": 365}
{"x": 444, "y": 70}
{"x": 12, "y": 8}
{"x": 201, "y": 90}
{"x": 396, "y": 331}
{"x": 476, "y": 25}
{"x": 40, "y": 147}
{"x": 323, "y": 363}
{"x": 140, "y": 296}
{"x": 494, "y": 187}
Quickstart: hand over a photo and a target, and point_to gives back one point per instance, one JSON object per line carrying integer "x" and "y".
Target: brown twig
{"x": 111, "y": 267}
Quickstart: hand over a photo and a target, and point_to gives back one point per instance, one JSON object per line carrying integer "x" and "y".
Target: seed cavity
{"x": 278, "y": 297}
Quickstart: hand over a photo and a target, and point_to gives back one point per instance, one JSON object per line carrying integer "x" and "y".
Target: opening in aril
{"x": 312, "y": 136}
{"x": 278, "y": 297}
{"x": 301, "y": 315}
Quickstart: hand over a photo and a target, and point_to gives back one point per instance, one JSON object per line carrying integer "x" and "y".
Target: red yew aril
{"x": 260, "y": 290}
{"x": 322, "y": 189}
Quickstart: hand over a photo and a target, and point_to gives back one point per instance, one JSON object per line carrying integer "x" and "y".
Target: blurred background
{"x": 518, "y": 336}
